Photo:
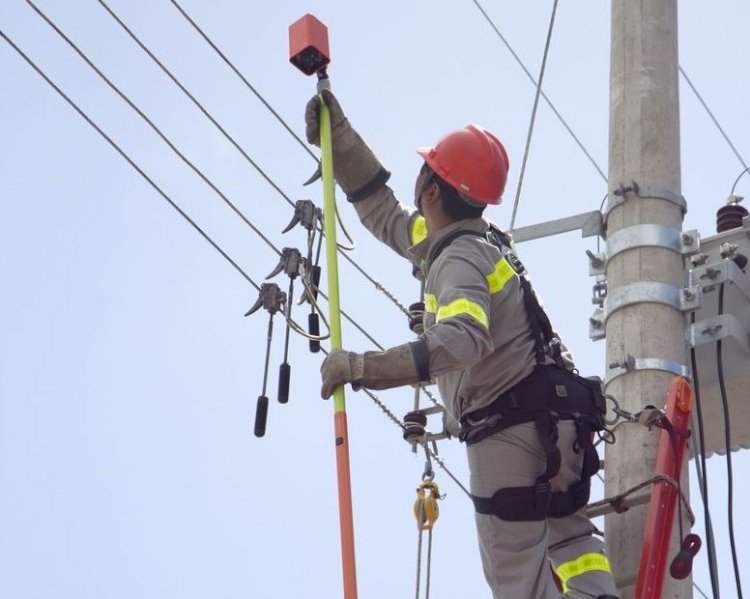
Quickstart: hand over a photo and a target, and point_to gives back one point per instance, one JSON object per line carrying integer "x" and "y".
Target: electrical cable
{"x": 237, "y": 146}
{"x": 728, "y": 445}
{"x": 129, "y": 160}
{"x": 747, "y": 170}
{"x": 195, "y": 101}
{"x": 181, "y": 155}
{"x": 546, "y": 99}
{"x": 244, "y": 80}
{"x": 533, "y": 117}
{"x": 379, "y": 286}
{"x": 153, "y": 126}
{"x": 713, "y": 118}
{"x": 703, "y": 479}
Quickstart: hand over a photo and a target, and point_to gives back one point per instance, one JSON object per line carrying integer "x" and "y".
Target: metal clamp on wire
{"x": 272, "y": 299}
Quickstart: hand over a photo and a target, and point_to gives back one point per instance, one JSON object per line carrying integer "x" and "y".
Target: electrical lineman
{"x": 525, "y": 416}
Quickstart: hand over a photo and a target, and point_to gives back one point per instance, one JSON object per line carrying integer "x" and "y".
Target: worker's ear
{"x": 431, "y": 193}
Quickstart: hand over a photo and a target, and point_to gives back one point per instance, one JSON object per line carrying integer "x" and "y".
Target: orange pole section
{"x": 664, "y": 496}
{"x": 346, "y": 515}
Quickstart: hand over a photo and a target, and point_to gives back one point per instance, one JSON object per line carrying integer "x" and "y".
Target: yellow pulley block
{"x": 426, "y": 509}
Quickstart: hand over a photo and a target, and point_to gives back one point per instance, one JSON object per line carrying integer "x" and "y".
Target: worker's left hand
{"x": 339, "y": 368}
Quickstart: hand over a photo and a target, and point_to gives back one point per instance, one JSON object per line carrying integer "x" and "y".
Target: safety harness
{"x": 549, "y": 394}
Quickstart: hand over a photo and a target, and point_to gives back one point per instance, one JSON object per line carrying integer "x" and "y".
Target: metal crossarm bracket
{"x": 638, "y": 236}
{"x": 650, "y": 192}
{"x": 590, "y": 224}
{"x": 708, "y": 276}
{"x": 596, "y": 325}
{"x": 719, "y": 327}
{"x": 631, "y": 364}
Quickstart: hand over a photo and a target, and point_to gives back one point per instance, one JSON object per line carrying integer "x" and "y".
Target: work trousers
{"x": 516, "y": 556}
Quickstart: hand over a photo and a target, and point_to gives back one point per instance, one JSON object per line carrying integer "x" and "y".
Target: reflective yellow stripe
{"x": 498, "y": 279}
{"x": 588, "y": 562}
{"x": 463, "y": 306}
{"x": 418, "y": 230}
{"x": 430, "y": 303}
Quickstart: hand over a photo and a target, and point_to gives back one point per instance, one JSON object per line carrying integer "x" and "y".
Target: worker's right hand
{"x": 342, "y": 134}
{"x": 355, "y": 166}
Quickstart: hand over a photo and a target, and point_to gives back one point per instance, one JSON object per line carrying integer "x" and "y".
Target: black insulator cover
{"x": 284, "y": 373}
{"x": 416, "y": 318}
{"x": 413, "y": 432}
{"x": 261, "y": 414}
{"x": 313, "y": 327}
{"x": 729, "y": 217}
{"x": 417, "y": 418}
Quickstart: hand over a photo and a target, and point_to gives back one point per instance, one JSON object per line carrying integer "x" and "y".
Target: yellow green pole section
{"x": 346, "y": 515}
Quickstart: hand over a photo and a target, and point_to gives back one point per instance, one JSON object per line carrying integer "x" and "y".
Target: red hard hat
{"x": 473, "y": 161}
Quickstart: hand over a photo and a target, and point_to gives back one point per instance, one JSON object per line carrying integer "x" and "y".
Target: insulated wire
{"x": 533, "y": 117}
{"x": 200, "y": 106}
{"x": 747, "y": 170}
{"x": 564, "y": 122}
{"x": 239, "y": 148}
{"x": 713, "y": 118}
{"x": 727, "y": 440}
{"x": 546, "y": 99}
{"x": 182, "y": 156}
{"x": 174, "y": 205}
{"x": 703, "y": 476}
{"x": 237, "y": 72}
{"x": 128, "y": 159}
{"x": 202, "y": 175}
{"x": 153, "y": 126}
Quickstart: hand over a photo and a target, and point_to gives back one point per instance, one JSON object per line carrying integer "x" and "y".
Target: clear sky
{"x": 128, "y": 375}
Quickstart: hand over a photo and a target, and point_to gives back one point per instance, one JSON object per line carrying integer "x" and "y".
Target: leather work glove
{"x": 355, "y": 166}
{"x": 374, "y": 370}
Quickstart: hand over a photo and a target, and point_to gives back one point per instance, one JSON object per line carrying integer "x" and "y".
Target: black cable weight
{"x": 316, "y": 270}
{"x": 261, "y": 415}
{"x": 285, "y": 371}
{"x": 313, "y": 327}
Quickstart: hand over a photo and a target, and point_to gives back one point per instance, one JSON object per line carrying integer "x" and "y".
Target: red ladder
{"x": 664, "y": 496}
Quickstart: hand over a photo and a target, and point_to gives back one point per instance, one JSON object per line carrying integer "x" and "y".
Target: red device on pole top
{"x": 308, "y": 45}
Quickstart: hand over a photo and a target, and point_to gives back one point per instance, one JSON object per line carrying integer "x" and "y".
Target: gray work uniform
{"x": 479, "y": 343}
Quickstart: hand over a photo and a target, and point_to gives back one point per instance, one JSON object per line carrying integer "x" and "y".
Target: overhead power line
{"x": 713, "y": 118}
{"x": 153, "y": 126}
{"x": 536, "y": 84}
{"x": 158, "y": 189}
{"x": 244, "y": 80}
{"x": 533, "y": 117}
{"x": 129, "y": 160}
{"x": 237, "y": 146}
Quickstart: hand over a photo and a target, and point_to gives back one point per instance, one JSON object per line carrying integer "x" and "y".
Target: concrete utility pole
{"x": 645, "y": 326}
